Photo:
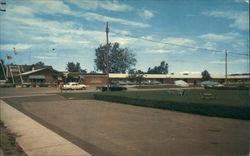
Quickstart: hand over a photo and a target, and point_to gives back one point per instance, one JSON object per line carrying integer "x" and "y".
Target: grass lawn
{"x": 223, "y": 97}
{"x": 8, "y": 142}
{"x": 228, "y": 103}
{"x": 78, "y": 96}
{"x": 157, "y": 86}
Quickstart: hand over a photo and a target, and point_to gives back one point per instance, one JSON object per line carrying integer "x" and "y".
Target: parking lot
{"x": 104, "y": 128}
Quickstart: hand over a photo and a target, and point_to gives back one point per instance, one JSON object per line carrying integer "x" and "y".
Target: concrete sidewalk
{"x": 34, "y": 138}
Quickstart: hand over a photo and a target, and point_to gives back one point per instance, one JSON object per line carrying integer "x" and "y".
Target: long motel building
{"x": 47, "y": 76}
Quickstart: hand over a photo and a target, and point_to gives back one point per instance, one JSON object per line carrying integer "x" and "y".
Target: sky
{"x": 75, "y": 28}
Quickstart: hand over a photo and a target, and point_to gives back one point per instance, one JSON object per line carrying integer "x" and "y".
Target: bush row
{"x": 196, "y": 108}
{"x": 228, "y": 88}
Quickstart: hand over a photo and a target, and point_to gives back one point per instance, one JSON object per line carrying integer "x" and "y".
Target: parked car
{"x": 130, "y": 83}
{"x": 112, "y": 88}
{"x": 73, "y": 86}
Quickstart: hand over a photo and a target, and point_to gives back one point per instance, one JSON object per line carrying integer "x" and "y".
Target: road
{"x": 104, "y": 128}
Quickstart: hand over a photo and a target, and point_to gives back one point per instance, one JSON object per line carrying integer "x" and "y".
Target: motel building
{"x": 44, "y": 76}
{"x": 87, "y": 79}
{"x": 102, "y": 79}
{"x": 191, "y": 79}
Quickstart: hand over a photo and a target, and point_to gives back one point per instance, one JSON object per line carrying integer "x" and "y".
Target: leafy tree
{"x": 40, "y": 63}
{"x": 136, "y": 76}
{"x": 205, "y": 75}
{"x": 120, "y": 59}
{"x": 93, "y": 72}
{"x": 72, "y": 67}
{"x": 161, "y": 69}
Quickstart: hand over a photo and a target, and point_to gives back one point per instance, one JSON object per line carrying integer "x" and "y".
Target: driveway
{"x": 104, "y": 128}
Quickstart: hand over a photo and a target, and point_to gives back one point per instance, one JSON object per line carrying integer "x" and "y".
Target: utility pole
{"x": 226, "y": 67}
{"x": 107, "y": 55}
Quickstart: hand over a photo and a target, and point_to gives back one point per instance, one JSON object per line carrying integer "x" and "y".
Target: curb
{"x": 34, "y": 138}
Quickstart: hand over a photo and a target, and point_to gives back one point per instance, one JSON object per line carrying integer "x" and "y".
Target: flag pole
{"x": 13, "y": 81}
{"x": 14, "y": 50}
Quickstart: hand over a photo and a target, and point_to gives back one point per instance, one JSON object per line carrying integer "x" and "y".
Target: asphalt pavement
{"x": 104, "y": 128}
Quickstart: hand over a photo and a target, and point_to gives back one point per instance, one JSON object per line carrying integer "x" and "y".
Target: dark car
{"x": 111, "y": 88}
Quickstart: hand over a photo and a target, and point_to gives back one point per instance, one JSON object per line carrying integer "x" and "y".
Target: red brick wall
{"x": 50, "y": 77}
{"x": 95, "y": 80}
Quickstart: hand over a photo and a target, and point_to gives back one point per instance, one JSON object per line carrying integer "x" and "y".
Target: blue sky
{"x": 74, "y": 28}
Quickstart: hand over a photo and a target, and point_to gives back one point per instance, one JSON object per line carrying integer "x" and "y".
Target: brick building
{"x": 87, "y": 79}
{"x": 40, "y": 77}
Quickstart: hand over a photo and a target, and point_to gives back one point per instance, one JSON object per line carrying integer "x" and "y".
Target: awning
{"x": 36, "y": 77}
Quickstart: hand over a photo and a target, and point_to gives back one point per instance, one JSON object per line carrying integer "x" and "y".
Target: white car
{"x": 73, "y": 86}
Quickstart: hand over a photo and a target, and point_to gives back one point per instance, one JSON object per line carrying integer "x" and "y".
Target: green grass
{"x": 8, "y": 142}
{"x": 228, "y": 103}
{"x": 78, "y": 96}
{"x": 223, "y": 97}
{"x": 157, "y": 86}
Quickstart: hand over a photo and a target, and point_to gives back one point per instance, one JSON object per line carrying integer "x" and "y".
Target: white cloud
{"x": 242, "y": 1}
{"x": 149, "y": 37}
{"x": 241, "y": 46}
{"x": 44, "y": 57}
{"x": 145, "y": 13}
{"x": 239, "y": 61}
{"x": 85, "y": 4}
{"x": 55, "y": 7}
{"x": 218, "y": 62}
{"x": 114, "y": 6}
{"x": 241, "y": 19}
{"x": 142, "y": 46}
{"x": 50, "y": 6}
{"x": 210, "y": 45}
{"x": 190, "y": 73}
{"x": 158, "y": 50}
{"x": 31, "y": 7}
{"x": 107, "y": 5}
{"x": 97, "y": 17}
{"x": 179, "y": 41}
{"x": 18, "y": 47}
{"x": 220, "y": 37}
{"x": 119, "y": 31}
{"x": 63, "y": 39}
{"x": 124, "y": 41}
{"x": 21, "y": 10}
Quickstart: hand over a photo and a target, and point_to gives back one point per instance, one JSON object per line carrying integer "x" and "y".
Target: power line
{"x": 179, "y": 45}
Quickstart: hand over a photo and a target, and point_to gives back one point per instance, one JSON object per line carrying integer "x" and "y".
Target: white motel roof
{"x": 162, "y": 76}
{"x": 32, "y": 71}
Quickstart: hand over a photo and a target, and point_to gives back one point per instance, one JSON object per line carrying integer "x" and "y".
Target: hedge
{"x": 228, "y": 88}
{"x": 196, "y": 108}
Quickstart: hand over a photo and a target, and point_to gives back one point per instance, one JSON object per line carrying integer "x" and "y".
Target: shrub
{"x": 237, "y": 112}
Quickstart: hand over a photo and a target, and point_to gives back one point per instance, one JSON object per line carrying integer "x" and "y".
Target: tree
{"x": 205, "y": 75}
{"x": 161, "y": 69}
{"x": 120, "y": 59}
{"x": 136, "y": 76}
{"x": 72, "y": 67}
{"x": 40, "y": 63}
{"x": 93, "y": 72}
